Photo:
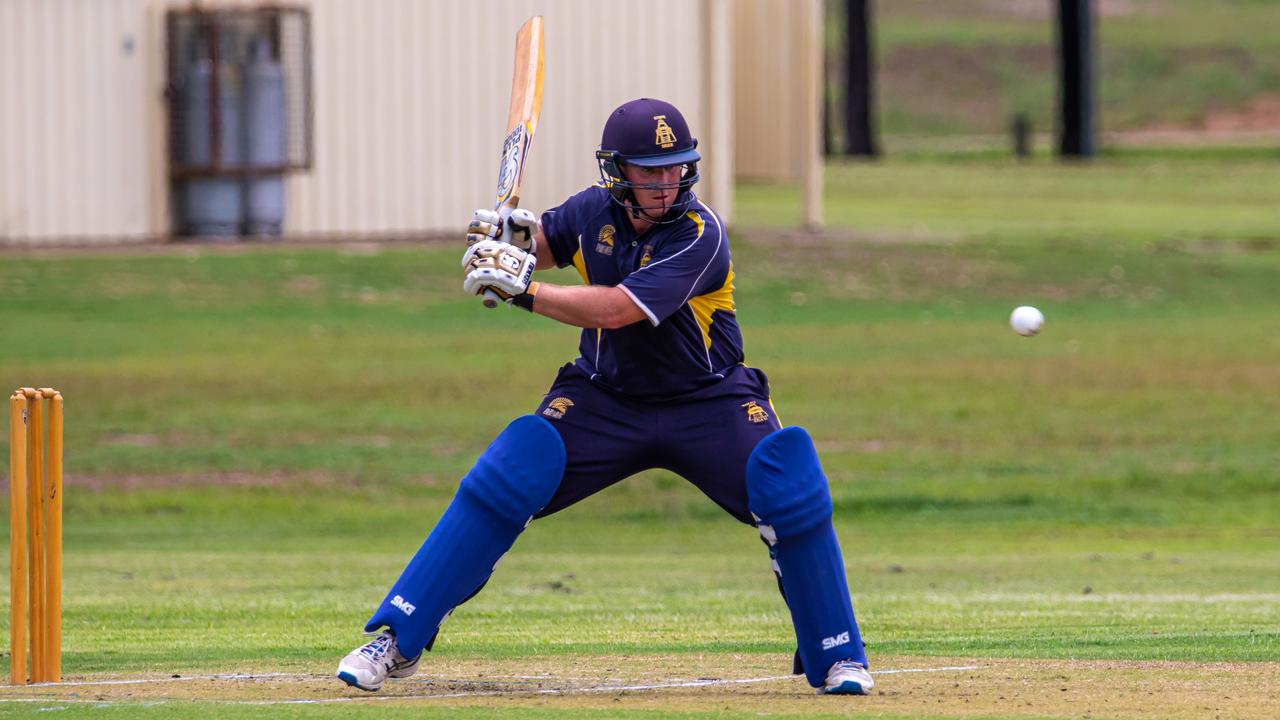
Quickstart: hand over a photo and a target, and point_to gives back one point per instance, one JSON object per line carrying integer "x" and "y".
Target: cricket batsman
{"x": 659, "y": 382}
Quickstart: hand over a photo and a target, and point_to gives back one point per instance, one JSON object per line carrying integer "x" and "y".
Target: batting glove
{"x": 487, "y": 225}
{"x": 501, "y": 267}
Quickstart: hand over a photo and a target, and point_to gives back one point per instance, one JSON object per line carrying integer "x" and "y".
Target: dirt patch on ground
{"x": 961, "y": 87}
{"x": 1262, "y": 113}
{"x": 1028, "y": 10}
{"x": 1254, "y": 124}
{"x": 1261, "y": 117}
{"x": 748, "y": 684}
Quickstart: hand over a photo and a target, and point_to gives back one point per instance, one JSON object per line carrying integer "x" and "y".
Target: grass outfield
{"x": 1087, "y": 522}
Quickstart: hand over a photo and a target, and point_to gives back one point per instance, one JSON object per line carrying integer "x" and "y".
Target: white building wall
{"x": 411, "y": 111}
{"x": 410, "y": 107}
{"x": 770, "y": 88}
{"x": 74, "y": 156}
{"x": 777, "y": 97}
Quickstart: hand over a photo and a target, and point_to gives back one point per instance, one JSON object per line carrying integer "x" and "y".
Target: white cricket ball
{"x": 1026, "y": 320}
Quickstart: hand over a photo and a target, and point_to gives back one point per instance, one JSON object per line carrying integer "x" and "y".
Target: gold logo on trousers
{"x": 755, "y": 413}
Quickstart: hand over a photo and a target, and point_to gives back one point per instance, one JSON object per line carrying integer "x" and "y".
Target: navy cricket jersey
{"x": 679, "y": 274}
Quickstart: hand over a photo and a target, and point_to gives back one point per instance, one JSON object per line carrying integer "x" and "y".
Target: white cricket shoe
{"x": 369, "y": 665}
{"x": 847, "y": 678}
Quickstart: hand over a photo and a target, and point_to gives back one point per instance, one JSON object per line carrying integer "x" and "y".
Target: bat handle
{"x": 491, "y": 298}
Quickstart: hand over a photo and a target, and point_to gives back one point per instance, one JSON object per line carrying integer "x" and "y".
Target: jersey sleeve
{"x": 561, "y": 225}
{"x": 558, "y": 237}
{"x": 692, "y": 262}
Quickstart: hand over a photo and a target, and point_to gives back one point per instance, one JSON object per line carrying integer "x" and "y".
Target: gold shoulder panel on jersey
{"x": 696, "y": 217}
{"x": 580, "y": 264}
{"x": 704, "y": 306}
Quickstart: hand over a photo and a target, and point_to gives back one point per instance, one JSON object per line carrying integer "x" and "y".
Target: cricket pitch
{"x": 905, "y": 686}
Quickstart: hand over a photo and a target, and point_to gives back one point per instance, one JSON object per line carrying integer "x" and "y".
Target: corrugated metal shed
{"x": 410, "y": 106}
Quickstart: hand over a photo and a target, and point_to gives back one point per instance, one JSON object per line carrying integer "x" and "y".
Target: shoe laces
{"x": 379, "y": 648}
{"x": 848, "y": 665}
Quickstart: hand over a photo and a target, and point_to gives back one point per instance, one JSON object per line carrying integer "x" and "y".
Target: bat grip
{"x": 491, "y": 298}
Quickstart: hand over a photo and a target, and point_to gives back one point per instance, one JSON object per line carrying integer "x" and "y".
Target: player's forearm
{"x": 587, "y": 306}
{"x": 546, "y": 260}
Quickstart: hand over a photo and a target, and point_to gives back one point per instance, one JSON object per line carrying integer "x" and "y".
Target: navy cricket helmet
{"x": 648, "y": 133}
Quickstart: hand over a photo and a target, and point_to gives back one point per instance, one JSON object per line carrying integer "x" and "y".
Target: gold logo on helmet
{"x": 755, "y": 413}
{"x": 604, "y": 243}
{"x": 558, "y": 407}
{"x": 666, "y": 137}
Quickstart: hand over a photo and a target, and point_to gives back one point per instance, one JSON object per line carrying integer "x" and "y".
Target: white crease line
{"x": 145, "y": 681}
{"x": 438, "y": 696}
{"x": 489, "y": 693}
{"x": 53, "y": 700}
{"x": 920, "y": 670}
{"x": 659, "y": 686}
{"x": 578, "y": 691}
{"x": 426, "y": 678}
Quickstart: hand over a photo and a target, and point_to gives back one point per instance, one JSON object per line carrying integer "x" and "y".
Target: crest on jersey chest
{"x": 604, "y": 241}
{"x": 647, "y": 255}
{"x": 558, "y": 407}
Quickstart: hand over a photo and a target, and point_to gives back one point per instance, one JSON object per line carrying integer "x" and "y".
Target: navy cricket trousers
{"x": 704, "y": 437}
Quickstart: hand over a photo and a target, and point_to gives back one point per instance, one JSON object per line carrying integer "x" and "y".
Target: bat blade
{"x": 522, "y": 123}
{"x": 523, "y": 112}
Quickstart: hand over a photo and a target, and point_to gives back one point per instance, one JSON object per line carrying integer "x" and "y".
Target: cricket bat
{"x": 522, "y": 122}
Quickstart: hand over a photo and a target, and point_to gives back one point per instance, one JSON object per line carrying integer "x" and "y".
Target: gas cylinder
{"x": 211, "y": 206}
{"x": 265, "y": 140}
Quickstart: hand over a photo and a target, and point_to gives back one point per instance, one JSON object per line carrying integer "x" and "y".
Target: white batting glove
{"x": 501, "y": 267}
{"x": 484, "y": 225}
{"x": 523, "y": 226}
{"x": 487, "y": 225}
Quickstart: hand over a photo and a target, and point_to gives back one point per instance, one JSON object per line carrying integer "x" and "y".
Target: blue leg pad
{"x": 788, "y": 495}
{"x": 514, "y": 479}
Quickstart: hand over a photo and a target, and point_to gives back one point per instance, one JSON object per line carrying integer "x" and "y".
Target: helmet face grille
{"x": 622, "y": 190}
{"x": 648, "y": 133}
